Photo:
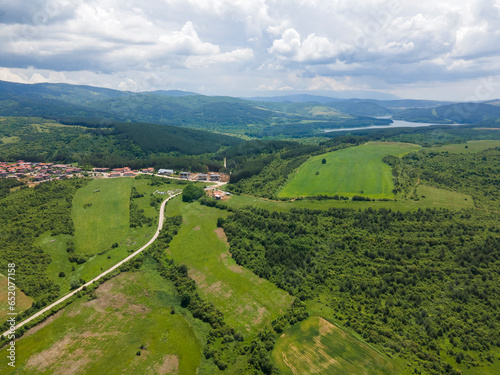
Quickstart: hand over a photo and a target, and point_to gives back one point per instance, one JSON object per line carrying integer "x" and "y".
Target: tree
{"x": 62, "y": 274}
{"x": 192, "y": 193}
{"x": 323, "y": 161}
{"x": 185, "y": 300}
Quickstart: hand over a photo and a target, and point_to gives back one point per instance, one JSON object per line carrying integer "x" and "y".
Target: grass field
{"x": 353, "y": 171}
{"x": 105, "y": 222}
{"x": 443, "y": 197}
{"x": 22, "y": 300}
{"x": 315, "y": 346}
{"x": 99, "y": 226}
{"x": 472, "y": 146}
{"x": 432, "y": 198}
{"x": 105, "y": 335}
{"x": 248, "y": 302}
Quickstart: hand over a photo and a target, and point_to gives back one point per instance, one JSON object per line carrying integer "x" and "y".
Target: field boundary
{"x": 109, "y": 270}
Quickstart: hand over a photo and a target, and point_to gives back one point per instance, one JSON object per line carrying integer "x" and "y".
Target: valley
{"x": 364, "y": 252}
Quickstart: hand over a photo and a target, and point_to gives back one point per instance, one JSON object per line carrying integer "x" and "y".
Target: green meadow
{"x": 22, "y": 300}
{"x": 428, "y": 197}
{"x": 316, "y": 346}
{"x": 469, "y": 146}
{"x": 101, "y": 219}
{"x": 106, "y": 221}
{"x": 247, "y": 301}
{"x": 126, "y": 327}
{"x": 353, "y": 171}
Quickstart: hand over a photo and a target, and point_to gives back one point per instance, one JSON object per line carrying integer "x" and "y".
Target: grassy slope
{"x": 22, "y": 300}
{"x": 248, "y": 302}
{"x": 348, "y": 172}
{"x": 107, "y": 220}
{"x": 472, "y": 146}
{"x": 444, "y": 198}
{"x": 434, "y": 198}
{"x": 315, "y": 346}
{"x": 96, "y": 238}
{"x": 103, "y": 336}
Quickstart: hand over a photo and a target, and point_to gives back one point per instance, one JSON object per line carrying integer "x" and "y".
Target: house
{"x": 148, "y": 170}
{"x": 115, "y": 174}
{"x": 166, "y": 171}
{"x": 202, "y": 177}
{"x": 215, "y": 177}
{"x": 185, "y": 175}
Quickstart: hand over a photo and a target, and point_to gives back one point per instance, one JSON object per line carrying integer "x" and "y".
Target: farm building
{"x": 166, "y": 171}
{"x": 185, "y": 175}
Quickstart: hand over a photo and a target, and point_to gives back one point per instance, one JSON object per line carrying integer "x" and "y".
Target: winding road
{"x": 72, "y": 293}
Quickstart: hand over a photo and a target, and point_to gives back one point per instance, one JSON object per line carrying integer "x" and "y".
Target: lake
{"x": 395, "y": 124}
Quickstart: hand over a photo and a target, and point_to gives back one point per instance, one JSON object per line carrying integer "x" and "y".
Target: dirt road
{"x": 72, "y": 293}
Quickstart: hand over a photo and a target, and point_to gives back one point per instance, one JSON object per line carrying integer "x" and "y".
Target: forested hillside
{"x": 477, "y": 174}
{"x": 422, "y": 285}
{"x": 111, "y": 144}
{"x": 26, "y": 214}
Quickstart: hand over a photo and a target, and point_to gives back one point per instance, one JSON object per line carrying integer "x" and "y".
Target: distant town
{"x": 32, "y": 173}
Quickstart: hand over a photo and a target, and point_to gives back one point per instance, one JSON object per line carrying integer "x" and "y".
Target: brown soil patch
{"x": 260, "y": 315}
{"x": 221, "y": 235}
{"x": 107, "y": 297}
{"x": 75, "y": 366}
{"x": 223, "y": 257}
{"x": 325, "y": 327}
{"x": 59, "y": 355}
{"x": 198, "y": 277}
{"x": 318, "y": 361}
{"x": 221, "y": 289}
{"x": 48, "y": 357}
{"x": 237, "y": 269}
{"x": 170, "y": 365}
{"x": 218, "y": 288}
{"x": 196, "y": 227}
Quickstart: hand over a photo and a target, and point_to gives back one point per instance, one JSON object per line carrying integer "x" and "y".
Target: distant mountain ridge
{"x": 295, "y": 115}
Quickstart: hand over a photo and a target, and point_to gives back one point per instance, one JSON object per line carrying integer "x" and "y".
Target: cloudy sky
{"x": 437, "y": 49}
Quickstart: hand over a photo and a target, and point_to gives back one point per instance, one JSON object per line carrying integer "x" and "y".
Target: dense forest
{"x": 24, "y": 215}
{"x": 111, "y": 144}
{"x": 416, "y": 284}
{"x": 477, "y": 174}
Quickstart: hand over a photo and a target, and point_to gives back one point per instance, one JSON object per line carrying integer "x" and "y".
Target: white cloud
{"x": 250, "y": 43}
{"x": 313, "y": 49}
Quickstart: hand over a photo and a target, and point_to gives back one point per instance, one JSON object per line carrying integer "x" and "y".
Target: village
{"x": 37, "y": 172}
{"x": 33, "y": 173}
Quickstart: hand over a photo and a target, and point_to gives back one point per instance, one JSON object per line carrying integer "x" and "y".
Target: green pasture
{"x": 105, "y": 335}
{"x": 248, "y": 302}
{"x": 428, "y": 197}
{"x": 469, "y": 146}
{"x": 99, "y": 226}
{"x": 105, "y": 222}
{"x": 315, "y": 346}
{"x": 352, "y": 171}
{"x": 445, "y": 198}
{"x": 23, "y": 302}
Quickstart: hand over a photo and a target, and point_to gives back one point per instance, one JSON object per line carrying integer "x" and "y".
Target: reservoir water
{"x": 395, "y": 124}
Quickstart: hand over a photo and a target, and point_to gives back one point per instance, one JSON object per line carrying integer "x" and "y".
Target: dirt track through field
{"x": 71, "y": 294}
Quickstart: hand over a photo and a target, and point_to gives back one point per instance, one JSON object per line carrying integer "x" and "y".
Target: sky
{"x": 426, "y": 49}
